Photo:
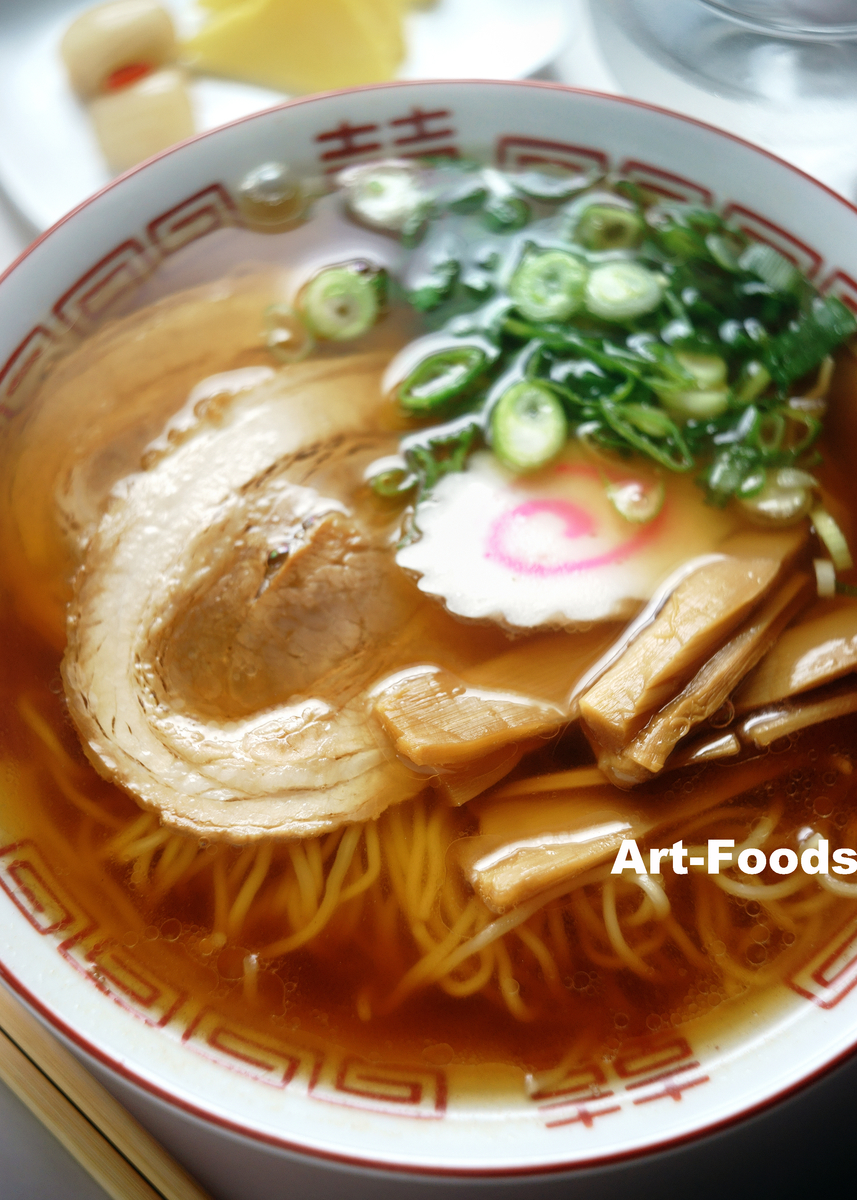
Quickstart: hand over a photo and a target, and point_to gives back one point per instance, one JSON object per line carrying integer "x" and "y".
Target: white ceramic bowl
{"x": 294, "y": 1092}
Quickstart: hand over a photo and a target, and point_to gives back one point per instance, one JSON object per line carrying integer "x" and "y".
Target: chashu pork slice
{"x": 231, "y": 612}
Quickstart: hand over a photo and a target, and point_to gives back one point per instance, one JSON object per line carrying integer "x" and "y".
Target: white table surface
{"x": 769, "y": 1156}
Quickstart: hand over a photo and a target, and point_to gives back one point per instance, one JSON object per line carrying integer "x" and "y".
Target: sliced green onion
{"x": 809, "y": 339}
{"x": 437, "y": 285}
{"x": 825, "y": 578}
{"x": 752, "y": 381}
{"x": 286, "y": 336}
{"x": 725, "y": 249}
{"x": 770, "y": 266}
{"x": 528, "y": 426}
{"x": 777, "y": 506}
{"x": 548, "y": 286}
{"x": 389, "y": 477}
{"x": 609, "y": 227}
{"x": 669, "y": 449}
{"x": 504, "y": 214}
{"x": 735, "y": 470}
{"x": 620, "y": 291}
{"x": 386, "y": 196}
{"x": 341, "y": 303}
{"x": 709, "y": 398}
{"x": 468, "y": 197}
{"x": 794, "y": 477}
{"x": 649, "y": 420}
{"x": 441, "y": 377}
{"x": 833, "y": 538}
{"x": 635, "y": 501}
{"x": 393, "y": 483}
{"x": 442, "y": 450}
{"x": 752, "y": 483}
{"x": 696, "y": 403}
{"x": 709, "y": 370}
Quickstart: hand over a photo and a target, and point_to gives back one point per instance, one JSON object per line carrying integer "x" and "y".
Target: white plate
{"x": 50, "y": 161}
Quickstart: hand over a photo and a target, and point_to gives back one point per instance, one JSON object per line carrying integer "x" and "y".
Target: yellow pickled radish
{"x": 300, "y": 45}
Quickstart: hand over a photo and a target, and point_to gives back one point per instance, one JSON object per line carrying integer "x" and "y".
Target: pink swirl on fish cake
{"x": 577, "y": 523}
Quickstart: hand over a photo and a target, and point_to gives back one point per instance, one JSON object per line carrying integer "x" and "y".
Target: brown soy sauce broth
{"x": 589, "y": 1007}
{"x": 592, "y": 1010}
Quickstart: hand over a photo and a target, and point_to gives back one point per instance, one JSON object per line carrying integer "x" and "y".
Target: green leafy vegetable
{"x": 441, "y": 377}
{"x": 638, "y": 328}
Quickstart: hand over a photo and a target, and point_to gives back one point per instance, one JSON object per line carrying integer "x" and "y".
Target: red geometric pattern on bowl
{"x": 95, "y": 291}
{"x": 34, "y": 889}
{"x": 19, "y": 367}
{"x": 394, "y": 1089}
{"x": 131, "y": 984}
{"x": 111, "y": 277}
{"x": 275, "y": 1062}
{"x": 843, "y": 286}
{"x": 521, "y": 152}
{"x": 756, "y": 226}
{"x": 831, "y": 973}
{"x": 661, "y": 1067}
{"x": 657, "y": 1067}
{"x": 417, "y": 132}
{"x": 413, "y": 134}
{"x": 203, "y": 212}
{"x": 664, "y": 183}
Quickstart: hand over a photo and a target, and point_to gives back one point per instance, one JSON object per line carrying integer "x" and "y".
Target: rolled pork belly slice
{"x": 231, "y": 611}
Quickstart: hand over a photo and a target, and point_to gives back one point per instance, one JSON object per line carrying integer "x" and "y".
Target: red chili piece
{"x": 124, "y": 76}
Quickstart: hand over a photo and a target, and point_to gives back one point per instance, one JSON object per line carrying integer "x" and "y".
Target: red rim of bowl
{"x": 283, "y": 1143}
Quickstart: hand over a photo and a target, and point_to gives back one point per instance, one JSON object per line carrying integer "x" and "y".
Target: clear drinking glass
{"x": 802, "y": 19}
{"x": 782, "y": 73}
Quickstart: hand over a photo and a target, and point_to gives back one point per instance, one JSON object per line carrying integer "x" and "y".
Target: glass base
{"x": 802, "y": 19}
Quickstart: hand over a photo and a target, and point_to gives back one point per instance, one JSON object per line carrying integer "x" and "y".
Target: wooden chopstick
{"x": 106, "y": 1140}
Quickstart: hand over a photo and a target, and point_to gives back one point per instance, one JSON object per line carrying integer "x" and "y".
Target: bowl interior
{"x": 130, "y": 1001}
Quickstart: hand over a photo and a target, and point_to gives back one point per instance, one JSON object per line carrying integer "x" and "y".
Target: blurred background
{"x": 781, "y": 73}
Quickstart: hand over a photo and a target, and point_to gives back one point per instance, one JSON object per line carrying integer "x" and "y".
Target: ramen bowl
{"x": 440, "y": 1115}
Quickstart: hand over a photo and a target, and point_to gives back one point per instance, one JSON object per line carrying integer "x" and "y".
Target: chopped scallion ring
{"x": 709, "y": 370}
{"x": 770, "y": 266}
{"x": 776, "y": 505}
{"x": 635, "y": 501}
{"x": 696, "y": 402}
{"x": 441, "y": 377}
{"x": 620, "y": 291}
{"x": 833, "y": 538}
{"x": 341, "y": 303}
{"x": 752, "y": 381}
{"x": 384, "y": 195}
{"x": 528, "y": 426}
{"x": 794, "y": 477}
{"x": 548, "y": 286}
{"x": 609, "y": 227}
